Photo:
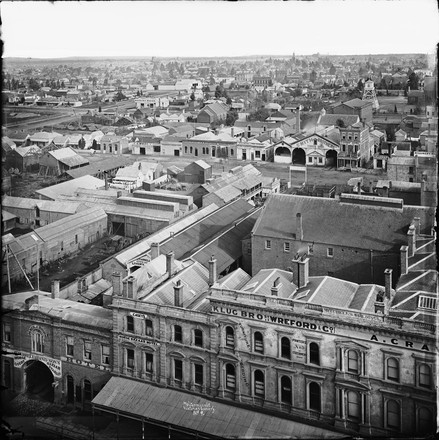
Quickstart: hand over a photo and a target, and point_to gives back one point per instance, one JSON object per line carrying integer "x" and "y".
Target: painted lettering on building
{"x": 139, "y": 340}
{"x": 54, "y": 365}
{"x": 273, "y": 319}
{"x": 85, "y": 363}
{"x": 245, "y": 337}
{"x": 401, "y": 343}
{"x": 299, "y": 349}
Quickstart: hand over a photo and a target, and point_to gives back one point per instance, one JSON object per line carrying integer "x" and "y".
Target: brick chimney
{"x": 404, "y": 259}
{"x": 275, "y": 287}
{"x": 213, "y": 274}
{"x": 54, "y": 291}
{"x": 131, "y": 287}
{"x": 178, "y": 294}
{"x": 411, "y": 240}
{"x": 155, "y": 250}
{"x": 116, "y": 280}
{"x": 169, "y": 263}
{"x": 299, "y": 226}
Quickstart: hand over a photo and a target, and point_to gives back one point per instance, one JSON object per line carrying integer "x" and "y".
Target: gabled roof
{"x": 31, "y": 150}
{"x": 68, "y": 188}
{"x": 68, "y": 157}
{"x": 357, "y": 103}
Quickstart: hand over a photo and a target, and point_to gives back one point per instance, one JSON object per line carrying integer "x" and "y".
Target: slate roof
{"x": 328, "y": 221}
{"x": 64, "y": 309}
{"x": 331, "y": 119}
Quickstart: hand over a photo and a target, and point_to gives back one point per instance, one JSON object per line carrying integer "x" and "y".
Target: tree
{"x": 413, "y": 81}
{"x": 229, "y": 101}
{"x": 340, "y": 123}
{"x": 192, "y": 96}
{"x": 332, "y": 70}
{"x": 259, "y": 115}
{"x": 232, "y": 116}
{"x": 313, "y": 76}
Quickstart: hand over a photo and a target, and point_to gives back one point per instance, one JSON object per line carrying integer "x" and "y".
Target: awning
{"x": 192, "y": 413}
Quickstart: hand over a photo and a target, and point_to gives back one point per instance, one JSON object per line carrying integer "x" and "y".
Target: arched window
{"x": 37, "y": 342}
{"x": 286, "y": 390}
{"x": 87, "y": 390}
{"x": 230, "y": 337}
{"x": 285, "y": 348}
{"x": 230, "y": 377}
{"x": 393, "y": 414}
{"x": 259, "y": 384}
{"x": 352, "y": 361}
{"x": 178, "y": 333}
{"x": 314, "y": 397}
{"x": 424, "y": 375}
{"x": 258, "y": 342}
{"x": 314, "y": 353}
{"x": 148, "y": 327}
{"x": 353, "y": 405}
{"x": 198, "y": 337}
{"x": 393, "y": 369}
{"x": 149, "y": 362}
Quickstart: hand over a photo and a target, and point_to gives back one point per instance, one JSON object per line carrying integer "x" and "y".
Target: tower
{"x": 370, "y": 95}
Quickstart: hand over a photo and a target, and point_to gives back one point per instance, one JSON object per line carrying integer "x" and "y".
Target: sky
{"x": 217, "y": 28}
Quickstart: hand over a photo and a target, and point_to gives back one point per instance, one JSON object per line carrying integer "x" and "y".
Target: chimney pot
{"x": 404, "y": 259}
{"x": 411, "y": 240}
{"x": 155, "y": 250}
{"x": 169, "y": 263}
{"x": 213, "y": 275}
{"x": 388, "y": 283}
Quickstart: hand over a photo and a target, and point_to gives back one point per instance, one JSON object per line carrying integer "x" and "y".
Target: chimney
{"x": 106, "y": 181}
{"x": 54, "y": 289}
{"x": 169, "y": 263}
{"x": 178, "y": 294}
{"x": 212, "y": 271}
{"x": 411, "y": 240}
{"x": 298, "y": 120}
{"x": 232, "y": 131}
{"x": 131, "y": 287}
{"x": 417, "y": 224}
{"x": 404, "y": 259}
{"x": 299, "y": 226}
{"x": 116, "y": 279}
{"x": 388, "y": 283}
{"x": 155, "y": 250}
{"x": 303, "y": 269}
{"x": 275, "y": 287}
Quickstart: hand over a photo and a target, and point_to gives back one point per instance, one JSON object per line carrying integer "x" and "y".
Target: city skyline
{"x": 106, "y": 29}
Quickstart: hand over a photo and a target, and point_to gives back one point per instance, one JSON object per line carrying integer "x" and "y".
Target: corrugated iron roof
{"x": 172, "y": 407}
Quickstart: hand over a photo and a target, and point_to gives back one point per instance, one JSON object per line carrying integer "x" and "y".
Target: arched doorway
{"x": 282, "y": 155}
{"x": 299, "y": 156}
{"x": 331, "y": 158}
{"x": 39, "y": 380}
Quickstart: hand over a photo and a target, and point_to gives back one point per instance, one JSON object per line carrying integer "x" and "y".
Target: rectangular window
{"x": 6, "y": 332}
{"x": 330, "y": 252}
{"x": 286, "y": 246}
{"x": 130, "y": 324}
{"x": 148, "y": 362}
{"x": 87, "y": 350}
{"x": 105, "y": 354}
{"x": 320, "y": 160}
{"x": 257, "y": 154}
{"x": 130, "y": 358}
{"x": 178, "y": 369}
{"x": 198, "y": 373}
{"x": 148, "y": 327}
{"x": 309, "y": 159}
{"x": 267, "y": 244}
{"x": 178, "y": 333}
{"x": 69, "y": 346}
